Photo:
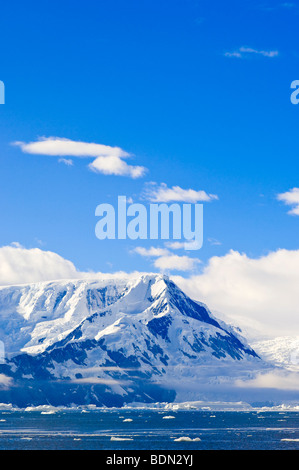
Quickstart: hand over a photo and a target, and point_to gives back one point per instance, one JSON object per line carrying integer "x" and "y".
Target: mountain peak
{"x": 111, "y": 330}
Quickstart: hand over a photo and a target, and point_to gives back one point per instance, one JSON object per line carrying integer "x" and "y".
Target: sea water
{"x": 143, "y": 429}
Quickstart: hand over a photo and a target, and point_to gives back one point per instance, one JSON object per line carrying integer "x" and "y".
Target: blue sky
{"x": 199, "y": 93}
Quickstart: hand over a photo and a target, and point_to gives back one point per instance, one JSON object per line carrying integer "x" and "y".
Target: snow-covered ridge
{"x": 33, "y": 317}
{"x": 282, "y": 351}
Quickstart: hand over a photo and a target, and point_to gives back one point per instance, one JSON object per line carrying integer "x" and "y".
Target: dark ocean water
{"x": 148, "y": 430}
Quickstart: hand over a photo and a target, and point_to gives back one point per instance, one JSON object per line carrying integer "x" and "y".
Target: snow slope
{"x": 282, "y": 351}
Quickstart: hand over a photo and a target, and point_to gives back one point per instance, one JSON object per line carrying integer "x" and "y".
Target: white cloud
{"x": 260, "y": 295}
{"x": 291, "y": 198}
{"x": 161, "y": 193}
{"x": 116, "y": 166}
{"x": 175, "y": 245}
{"x": 101, "y": 381}
{"x": 108, "y": 160}
{"x": 151, "y": 252}
{"x": 19, "y": 265}
{"x": 66, "y": 161}
{"x": 59, "y": 147}
{"x": 246, "y": 51}
{"x": 249, "y": 50}
{"x": 278, "y": 380}
{"x": 166, "y": 261}
{"x": 176, "y": 263}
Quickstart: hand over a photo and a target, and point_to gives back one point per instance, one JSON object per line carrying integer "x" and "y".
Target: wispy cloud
{"x": 176, "y": 263}
{"x": 101, "y": 381}
{"x": 66, "y": 161}
{"x": 233, "y": 54}
{"x": 108, "y": 160}
{"x": 281, "y": 380}
{"x": 150, "y": 252}
{"x": 244, "y": 52}
{"x": 278, "y": 6}
{"x": 161, "y": 193}
{"x": 291, "y": 198}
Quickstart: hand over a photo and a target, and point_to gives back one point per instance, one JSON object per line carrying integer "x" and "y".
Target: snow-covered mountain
{"x": 110, "y": 342}
{"x": 282, "y": 352}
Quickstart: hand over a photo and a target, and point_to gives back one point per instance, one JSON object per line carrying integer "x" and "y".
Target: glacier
{"x": 114, "y": 342}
